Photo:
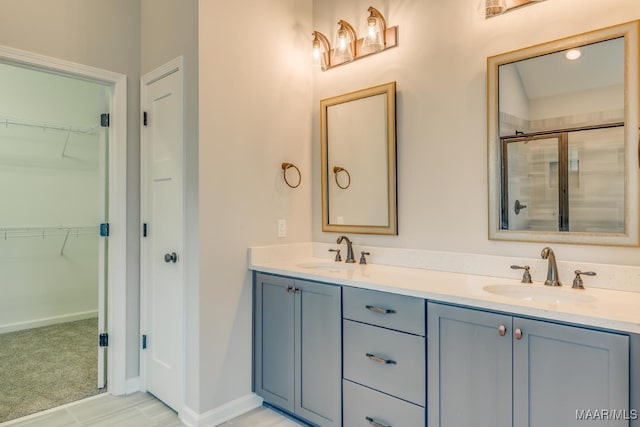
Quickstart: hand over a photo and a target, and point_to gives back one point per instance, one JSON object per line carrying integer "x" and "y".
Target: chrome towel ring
{"x": 336, "y": 171}
{"x": 286, "y": 166}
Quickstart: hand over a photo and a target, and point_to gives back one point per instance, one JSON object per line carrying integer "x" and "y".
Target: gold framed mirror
{"x": 358, "y": 161}
{"x": 563, "y": 140}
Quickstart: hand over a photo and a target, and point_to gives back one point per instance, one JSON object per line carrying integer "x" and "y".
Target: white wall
{"x": 608, "y": 98}
{"x": 255, "y": 97}
{"x": 104, "y": 35}
{"x": 513, "y": 98}
{"x": 440, "y": 69}
{"x": 169, "y": 28}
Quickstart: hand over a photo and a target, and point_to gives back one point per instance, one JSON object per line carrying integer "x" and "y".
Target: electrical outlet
{"x": 282, "y": 228}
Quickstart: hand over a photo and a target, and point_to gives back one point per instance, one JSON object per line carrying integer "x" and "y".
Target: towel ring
{"x": 286, "y": 166}
{"x": 336, "y": 171}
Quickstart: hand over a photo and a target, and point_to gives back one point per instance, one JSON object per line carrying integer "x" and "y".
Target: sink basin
{"x": 541, "y": 294}
{"x": 327, "y": 266}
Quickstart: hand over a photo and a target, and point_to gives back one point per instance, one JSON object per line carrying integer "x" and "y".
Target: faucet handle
{"x": 526, "y": 276}
{"x": 338, "y": 257}
{"x": 577, "y": 282}
{"x": 363, "y": 260}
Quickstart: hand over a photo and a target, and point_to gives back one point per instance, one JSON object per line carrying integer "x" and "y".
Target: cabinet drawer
{"x": 388, "y": 361}
{"x": 392, "y": 311}
{"x": 364, "y": 407}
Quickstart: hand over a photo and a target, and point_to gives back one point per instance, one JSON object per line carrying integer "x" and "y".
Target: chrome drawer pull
{"x": 379, "y": 309}
{"x": 374, "y": 423}
{"x": 379, "y": 359}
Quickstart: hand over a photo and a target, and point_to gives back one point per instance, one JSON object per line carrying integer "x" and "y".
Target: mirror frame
{"x": 631, "y": 237}
{"x": 392, "y": 228}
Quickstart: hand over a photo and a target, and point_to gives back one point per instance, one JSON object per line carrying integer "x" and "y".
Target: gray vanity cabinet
{"x": 559, "y": 369}
{"x": 384, "y": 359}
{"x": 297, "y": 347}
{"x": 481, "y": 365}
{"x": 469, "y": 367}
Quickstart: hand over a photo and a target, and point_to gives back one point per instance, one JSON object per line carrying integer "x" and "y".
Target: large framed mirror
{"x": 358, "y": 161}
{"x": 563, "y": 140}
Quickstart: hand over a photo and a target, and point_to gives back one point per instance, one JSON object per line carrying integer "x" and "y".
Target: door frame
{"x": 116, "y": 313}
{"x": 173, "y": 66}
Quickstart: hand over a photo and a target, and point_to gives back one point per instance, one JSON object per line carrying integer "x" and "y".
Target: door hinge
{"x": 144, "y": 118}
{"x": 104, "y": 229}
{"x": 103, "y": 339}
{"x": 104, "y": 120}
{"x": 144, "y": 342}
{"x": 144, "y": 229}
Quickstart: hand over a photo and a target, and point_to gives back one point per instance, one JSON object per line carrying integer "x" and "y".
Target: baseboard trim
{"x": 133, "y": 385}
{"x": 47, "y": 321}
{"x": 221, "y": 414}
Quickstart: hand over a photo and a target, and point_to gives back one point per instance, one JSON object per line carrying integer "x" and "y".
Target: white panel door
{"x": 163, "y": 213}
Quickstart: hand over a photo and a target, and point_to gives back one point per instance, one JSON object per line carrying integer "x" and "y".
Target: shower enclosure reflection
{"x": 562, "y": 142}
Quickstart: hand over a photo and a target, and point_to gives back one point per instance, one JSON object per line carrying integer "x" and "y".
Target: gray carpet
{"x": 47, "y": 367}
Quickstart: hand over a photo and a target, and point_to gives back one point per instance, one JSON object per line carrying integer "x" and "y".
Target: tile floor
{"x": 135, "y": 410}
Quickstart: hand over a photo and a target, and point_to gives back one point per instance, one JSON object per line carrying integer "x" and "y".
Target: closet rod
{"x": 47, "y": 231}
{"x": 6, "y": 121}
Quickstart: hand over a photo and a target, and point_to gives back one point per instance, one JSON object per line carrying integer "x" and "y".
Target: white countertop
{"x": 609, "y": 309}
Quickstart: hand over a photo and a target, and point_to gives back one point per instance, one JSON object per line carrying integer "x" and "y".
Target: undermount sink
{"x": 552, "y": 295}
{"x": 327, "y": 266}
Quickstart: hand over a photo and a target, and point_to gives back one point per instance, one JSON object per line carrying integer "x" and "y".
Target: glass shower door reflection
{"x": 530, "y": 183}
{"x": 596, "y": 175}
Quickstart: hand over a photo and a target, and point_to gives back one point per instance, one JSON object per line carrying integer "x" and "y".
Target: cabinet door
{"x": 318, "y": 361}
{"x": 560, "y": 369}
{"x": 274, "y": 340}
{"x": 469, "y": 368}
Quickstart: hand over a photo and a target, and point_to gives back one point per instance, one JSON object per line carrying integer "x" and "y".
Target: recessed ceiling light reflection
{"x": 573, "y": 54}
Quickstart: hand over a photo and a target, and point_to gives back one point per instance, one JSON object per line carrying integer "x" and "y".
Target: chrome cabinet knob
{"x": 502, "y": 330}
{"x": 172, "y": 257}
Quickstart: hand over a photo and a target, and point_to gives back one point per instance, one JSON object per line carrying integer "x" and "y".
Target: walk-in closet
{"x": 52, "y": 184}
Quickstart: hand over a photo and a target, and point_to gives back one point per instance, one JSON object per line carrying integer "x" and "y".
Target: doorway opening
{"x": 52, "y": 176}
{"x": 62, "y": 175}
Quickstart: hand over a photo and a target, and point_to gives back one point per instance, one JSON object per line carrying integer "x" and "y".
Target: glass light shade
{"x": 373, "y": 39}
{"x": 493, "y": 7}
{"x": 320, "y": 52}
{"x": 343, "y": 50}
{"x": 318, "y": 55}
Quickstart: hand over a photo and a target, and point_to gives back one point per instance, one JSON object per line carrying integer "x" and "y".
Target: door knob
{"x": 172, "y": 257}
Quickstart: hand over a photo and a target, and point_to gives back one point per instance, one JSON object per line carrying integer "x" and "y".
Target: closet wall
{"x": 49, "y": 184}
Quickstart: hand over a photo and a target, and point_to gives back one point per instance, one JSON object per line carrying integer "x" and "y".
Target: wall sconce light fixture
{"x": 374, "y": 40}
{"x": 348, "y": 47}
{"x": 344, "y": 47}
{"x": 321, "y": 50}
{"x": 492, "y": 8}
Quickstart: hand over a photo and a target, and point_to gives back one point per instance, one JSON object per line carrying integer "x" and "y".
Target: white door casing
{"x": 103, "y": 216}
{"x": 116, "y": 259}
{"x": 162, "y": 210}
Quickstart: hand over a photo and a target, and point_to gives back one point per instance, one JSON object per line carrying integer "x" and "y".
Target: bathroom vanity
{"x": 376, "y": 345}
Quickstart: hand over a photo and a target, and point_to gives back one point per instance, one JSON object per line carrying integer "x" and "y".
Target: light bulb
{"x": 573, "y": 54}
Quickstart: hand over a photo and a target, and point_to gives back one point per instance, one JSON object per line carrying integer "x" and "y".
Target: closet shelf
{"x": 83, "y": 130}
{"x": 65, "y": 231}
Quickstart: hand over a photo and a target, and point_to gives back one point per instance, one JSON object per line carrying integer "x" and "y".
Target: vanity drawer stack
{"x": 384, "y": 359}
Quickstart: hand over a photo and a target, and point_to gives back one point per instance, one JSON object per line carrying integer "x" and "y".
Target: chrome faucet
{"x": 552, "y": 272}
{"x": 350, "y": 258}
